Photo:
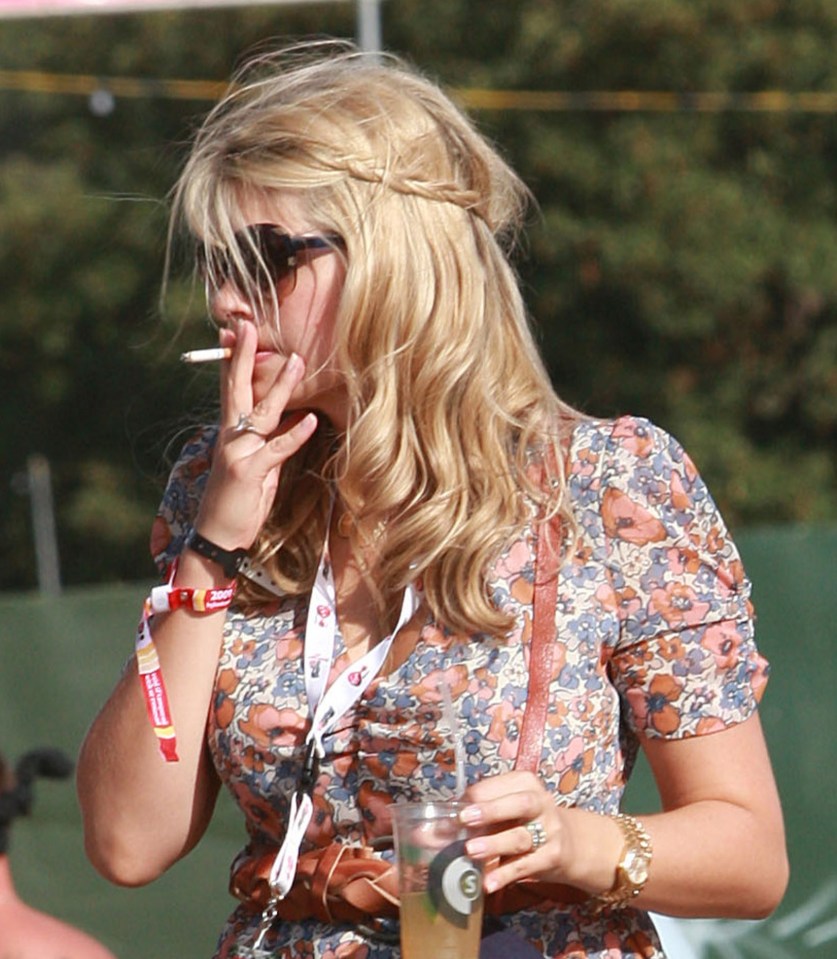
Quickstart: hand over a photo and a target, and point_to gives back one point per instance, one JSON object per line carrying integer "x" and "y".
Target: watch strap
{"x": 633, "y": 865}
{"x": 229, "y": 560}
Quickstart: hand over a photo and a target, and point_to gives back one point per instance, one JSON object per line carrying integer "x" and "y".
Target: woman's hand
{"x": 246, "y": 464}
{"x": 526, "y": 836}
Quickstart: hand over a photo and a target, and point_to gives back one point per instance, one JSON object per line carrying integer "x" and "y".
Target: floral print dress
{"x": 654, "y": 637}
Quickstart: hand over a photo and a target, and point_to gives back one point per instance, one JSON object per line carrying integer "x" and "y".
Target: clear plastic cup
{"x": 439, "y": 886}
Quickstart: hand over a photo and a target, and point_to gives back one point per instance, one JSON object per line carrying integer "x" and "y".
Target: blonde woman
{"x": 355, "y": 542}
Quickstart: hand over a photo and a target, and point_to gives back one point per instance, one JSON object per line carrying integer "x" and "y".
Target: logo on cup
{"x": 454, "y": 884}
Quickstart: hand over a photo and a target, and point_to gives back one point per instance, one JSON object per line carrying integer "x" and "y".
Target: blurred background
{"x": 681, "y": 265}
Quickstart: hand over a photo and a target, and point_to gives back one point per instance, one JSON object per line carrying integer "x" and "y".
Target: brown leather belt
{"x": 345, "y": 883}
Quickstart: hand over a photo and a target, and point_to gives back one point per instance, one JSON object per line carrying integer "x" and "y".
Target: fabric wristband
{"x": 163, "y": 599}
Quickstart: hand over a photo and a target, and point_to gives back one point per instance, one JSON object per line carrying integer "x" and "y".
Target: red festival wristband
{"x": 164, "y": 599}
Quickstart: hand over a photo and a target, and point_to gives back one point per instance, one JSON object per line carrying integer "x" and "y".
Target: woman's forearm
{"x": 140, "y": 813}
{"x": 717, "y": 859}
{"x": 720, "y": 844}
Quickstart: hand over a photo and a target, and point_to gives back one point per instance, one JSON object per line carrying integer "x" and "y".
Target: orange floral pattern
{"x": 654, "y": 638}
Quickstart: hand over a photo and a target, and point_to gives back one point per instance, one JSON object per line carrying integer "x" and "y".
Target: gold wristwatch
{"x": 633, "y": 866}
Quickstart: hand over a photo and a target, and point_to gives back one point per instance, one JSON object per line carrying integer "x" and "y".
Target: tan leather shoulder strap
{"x": 542, "y": 645}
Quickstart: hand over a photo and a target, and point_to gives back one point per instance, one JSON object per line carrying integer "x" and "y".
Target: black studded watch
{"x": 634, "y": 863}
{"x": 229, "y": 560}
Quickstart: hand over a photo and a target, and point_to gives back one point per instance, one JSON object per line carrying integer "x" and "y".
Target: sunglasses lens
{"x": 264, "y": 258}
{"x": 272, "y": 254}
{"x": 214, "y": 265}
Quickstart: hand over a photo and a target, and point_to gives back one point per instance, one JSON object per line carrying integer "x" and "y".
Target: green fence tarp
{"x": 59, "y": 659}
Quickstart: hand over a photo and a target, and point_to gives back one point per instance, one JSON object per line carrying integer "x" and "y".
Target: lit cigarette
{"x": 207, "y": 356}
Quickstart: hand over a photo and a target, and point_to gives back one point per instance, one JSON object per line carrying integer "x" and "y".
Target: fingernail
{"x": 471, "y": 814}
{"x": 294, "y": 362}
{"x": 475, "y": 847}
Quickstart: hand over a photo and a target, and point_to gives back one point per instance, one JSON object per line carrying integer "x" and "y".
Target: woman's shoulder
{"x": 628, "y": 452}
{"x": 626, "y": 437}
{"x": 629, "y": 467}
{"x": 634, "y": 486}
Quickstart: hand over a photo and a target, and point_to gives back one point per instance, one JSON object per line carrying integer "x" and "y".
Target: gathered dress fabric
{"x": 654, "y": 636}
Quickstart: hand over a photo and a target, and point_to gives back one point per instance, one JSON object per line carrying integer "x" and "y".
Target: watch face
{"x": 636, "y": 867}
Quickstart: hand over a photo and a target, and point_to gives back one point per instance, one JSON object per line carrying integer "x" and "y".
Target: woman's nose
{"x": 228, "y": 303}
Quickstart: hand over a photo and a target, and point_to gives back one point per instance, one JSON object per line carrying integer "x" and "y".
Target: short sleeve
{"x": 685, "y": 662}
{"x": 182, "y": 497}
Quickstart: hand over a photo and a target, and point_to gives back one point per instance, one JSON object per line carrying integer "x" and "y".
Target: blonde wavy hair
{"x": 450, "y": 406}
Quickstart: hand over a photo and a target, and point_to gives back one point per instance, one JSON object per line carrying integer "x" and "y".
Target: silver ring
{"x": 537, "y": 832}
{"x": 245, "y": 425}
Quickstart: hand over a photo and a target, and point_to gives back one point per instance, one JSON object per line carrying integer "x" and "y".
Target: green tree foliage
{"x": 681, "y": 265}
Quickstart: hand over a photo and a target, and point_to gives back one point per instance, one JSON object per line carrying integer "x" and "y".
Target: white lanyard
{"x": 327, "y": 706}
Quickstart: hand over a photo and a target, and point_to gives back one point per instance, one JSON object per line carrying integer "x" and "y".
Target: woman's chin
{"x": 268, "y": 366}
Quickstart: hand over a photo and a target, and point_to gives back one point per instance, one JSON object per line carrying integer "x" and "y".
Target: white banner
{"x": 51, "y": 8}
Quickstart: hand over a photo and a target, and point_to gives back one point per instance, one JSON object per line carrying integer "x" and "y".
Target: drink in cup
{"x": 439, "y": 886}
